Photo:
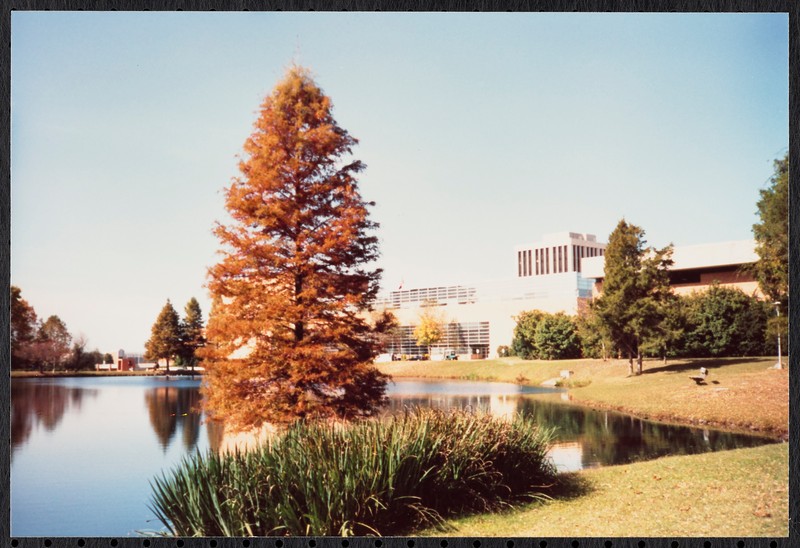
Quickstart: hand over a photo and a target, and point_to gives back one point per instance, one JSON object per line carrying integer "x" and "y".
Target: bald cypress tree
{"x": 287, "y": 335}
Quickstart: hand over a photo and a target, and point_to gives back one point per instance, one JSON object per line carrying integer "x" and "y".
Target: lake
{"x": 84, "y": 449}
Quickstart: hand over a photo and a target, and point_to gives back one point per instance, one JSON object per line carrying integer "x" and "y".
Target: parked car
{"x": 451, "y": 356}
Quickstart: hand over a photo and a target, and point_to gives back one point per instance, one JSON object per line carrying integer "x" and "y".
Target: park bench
{"x": 701, "y": 378}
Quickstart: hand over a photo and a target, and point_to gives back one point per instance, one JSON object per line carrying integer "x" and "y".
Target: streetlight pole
{"x": 778, "y": 365}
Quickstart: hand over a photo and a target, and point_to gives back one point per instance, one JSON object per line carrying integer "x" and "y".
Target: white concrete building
{"x": 480, "y": 317}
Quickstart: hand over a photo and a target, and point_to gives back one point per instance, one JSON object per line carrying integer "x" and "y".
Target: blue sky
{"x": 479, "y": 131}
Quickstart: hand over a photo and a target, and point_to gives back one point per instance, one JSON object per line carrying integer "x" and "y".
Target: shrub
{"x": 371, "y": 477}
{"x": 725, "y": 321}
{"x": 543, "y": 336}
{"x": 522, "y": 343}
{"x": 556, "y": 338}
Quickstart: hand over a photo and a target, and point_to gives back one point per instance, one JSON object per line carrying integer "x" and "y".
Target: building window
{"x": 519, "y": 264}
{"x": 547, "y": 261}
{"x": 536, "y": 252}
{"x": 530, "y": 263}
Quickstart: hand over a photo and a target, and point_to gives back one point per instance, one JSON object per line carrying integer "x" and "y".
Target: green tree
{"x": 80, "y": 358}
{"x": 669, "y": 339}
{"x": 165, "y": 335}
{"x": 192, "y": 330}
{"x": 556, "y": 338}
{"x": 595, "y": 342}
{"x": 772, "y": 236}
{"x": 288, "y": 334}
{"x": 108, "y": 358}
{"x": 725, "y": 321}
{"x": 430, "y": 329}
{"x": 523, "y": 344}
{"x": 635, "y": 288}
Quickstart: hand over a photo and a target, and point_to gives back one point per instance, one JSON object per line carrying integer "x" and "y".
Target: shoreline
{"x": 661, "y": 394}
{"x": 733, "y": 428}
{"x": 576, "y": 397}
{"x": 66, "y": 374}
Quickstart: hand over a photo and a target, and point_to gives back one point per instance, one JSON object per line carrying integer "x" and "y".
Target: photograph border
{"x": 790, "y": 7}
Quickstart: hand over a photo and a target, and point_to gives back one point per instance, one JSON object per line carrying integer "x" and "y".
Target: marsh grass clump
{"x": 373, "y": 477}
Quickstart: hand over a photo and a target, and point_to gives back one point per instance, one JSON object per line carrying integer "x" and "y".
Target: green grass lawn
{"x": 740, "y": 493}
{"x": 741, "y": 394}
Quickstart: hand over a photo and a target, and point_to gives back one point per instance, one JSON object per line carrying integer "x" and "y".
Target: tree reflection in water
{"x": 586, "y": 438}
{"x": 35, "y": 403}
{"x": 173, "y": 407}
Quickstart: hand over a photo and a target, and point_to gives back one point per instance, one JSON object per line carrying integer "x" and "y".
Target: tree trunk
{"x": 167, "y": 365}
{"x": 639, "y": 359}
{"x": 299, "y": 327}
{"x": 630, "y": 363}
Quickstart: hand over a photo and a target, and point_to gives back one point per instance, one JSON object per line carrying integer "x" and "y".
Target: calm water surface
{"x": 84, "y": 449}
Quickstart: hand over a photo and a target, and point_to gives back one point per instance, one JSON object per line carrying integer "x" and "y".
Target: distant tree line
{"x": 48, "y": 344}
{"x": 719, "y": 322}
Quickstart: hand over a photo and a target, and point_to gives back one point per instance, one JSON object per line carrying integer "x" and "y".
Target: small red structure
{"x": 126, "y": 364}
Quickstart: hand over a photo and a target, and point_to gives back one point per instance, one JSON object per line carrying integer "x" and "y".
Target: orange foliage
{"x": 287, "y": 335}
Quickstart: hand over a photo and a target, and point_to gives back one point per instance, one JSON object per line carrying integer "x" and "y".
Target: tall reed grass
{"x": 374, "y": 477}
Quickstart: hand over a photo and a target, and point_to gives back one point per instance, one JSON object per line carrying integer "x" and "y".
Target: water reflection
{"x": 586, "y": 438}
{"x": 135, "y": 427}
{"x": 41, "y": 403}
{"x": 175, "y": 407}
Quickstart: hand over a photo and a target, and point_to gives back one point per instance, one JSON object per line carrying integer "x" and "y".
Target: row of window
{"x": 461, "y": 338}
{"x": 536, "y": 262}
{"x": 433, "y": 294}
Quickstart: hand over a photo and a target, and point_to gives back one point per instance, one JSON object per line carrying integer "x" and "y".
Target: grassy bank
{"x": 740, "y": 493}
{"x": 741, "y": 394}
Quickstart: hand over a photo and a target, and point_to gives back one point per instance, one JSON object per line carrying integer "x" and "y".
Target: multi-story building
{"x": 556, "y": 274}
{"x": 696, "y": 267}
{"x": 480, "y": 317}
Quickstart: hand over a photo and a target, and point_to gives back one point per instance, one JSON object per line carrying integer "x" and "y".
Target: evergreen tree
{"x": 192, "y": 337}
{"x": 287, "y": 332}
{"x": 165, "y": 335}
{"x": 772, "y": 236}
{"x": 635, "y": 291}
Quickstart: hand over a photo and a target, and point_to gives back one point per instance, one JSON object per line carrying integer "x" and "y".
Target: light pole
{"x": 777, "y": 304}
